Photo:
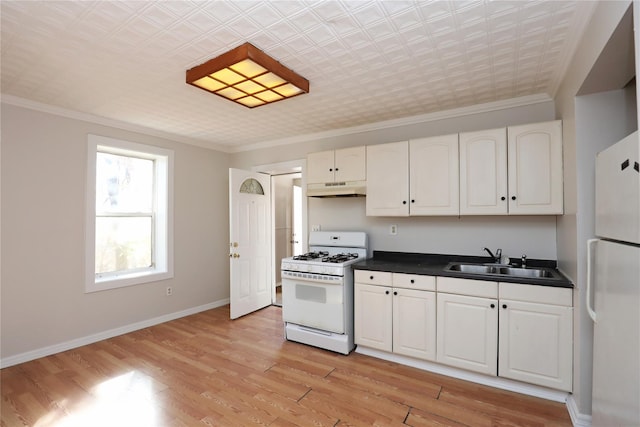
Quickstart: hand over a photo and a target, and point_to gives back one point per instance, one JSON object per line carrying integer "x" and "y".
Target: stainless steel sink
{"x": 525, "y": 272}
{"x": 501, "y": 270}
{"x": 473, "y": 268}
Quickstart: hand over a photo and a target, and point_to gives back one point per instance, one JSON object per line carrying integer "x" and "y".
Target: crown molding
{"x": 405, "y": 121}
{"x": 118, "y": 124}
{"x": 423, "y": 118}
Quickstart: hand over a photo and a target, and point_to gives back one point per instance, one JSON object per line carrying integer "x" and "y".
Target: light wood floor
{"x": 208, "y": 370}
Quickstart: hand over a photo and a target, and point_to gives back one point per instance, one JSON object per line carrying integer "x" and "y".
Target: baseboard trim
{"x": 577, "y": 419}
{"x": 90, "y": 339}
{"x": 496, "y": 382}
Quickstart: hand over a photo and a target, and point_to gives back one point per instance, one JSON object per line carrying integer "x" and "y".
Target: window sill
{"x": 131, "y": 279}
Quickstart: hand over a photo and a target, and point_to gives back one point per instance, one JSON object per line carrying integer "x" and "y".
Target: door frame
{"x": 281, "y": 168}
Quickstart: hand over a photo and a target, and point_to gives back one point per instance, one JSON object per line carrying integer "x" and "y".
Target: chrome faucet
{"x": 524, "y": 261}
{"x": 496, "y": 257}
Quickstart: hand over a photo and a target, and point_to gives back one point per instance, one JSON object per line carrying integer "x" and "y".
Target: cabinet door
{"x": 536, "y": 343}
{"x": 483, "y": 172}
{"x": 373, "y": 307}
{"x": 388, "y": 179}
{"x": 433, "y": 176}
{"x": 414, "y": 323}
{"x": 350, "y": 164}
{"x": 467, "y": 332}
{"x": 320, "y": 167}
{"x": 535, "y": 168}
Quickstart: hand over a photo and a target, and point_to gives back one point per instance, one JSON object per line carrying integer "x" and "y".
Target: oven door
{"x": 312, "y": 300}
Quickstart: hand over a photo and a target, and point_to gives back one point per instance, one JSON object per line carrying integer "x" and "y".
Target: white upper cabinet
{"x": 388, "y": 179}
{"x": 535, "y": 168}
{"x": 483, "y": 172}
{"x": 433, "y": 176}
{"x": 320, "y": 167}
{"x": 347, "y": 164}
{"x": 418, "y": 177}
{"x": 515, "y": 171}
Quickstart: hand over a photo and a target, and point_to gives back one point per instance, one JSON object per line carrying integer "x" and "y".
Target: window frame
{"x": 162, "y": 219}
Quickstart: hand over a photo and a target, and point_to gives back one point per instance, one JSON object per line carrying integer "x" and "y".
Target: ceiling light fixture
{"x": 248, "y": 76}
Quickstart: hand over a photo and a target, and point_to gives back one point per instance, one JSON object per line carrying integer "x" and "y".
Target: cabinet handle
{"x": 330, "y": 169}
{"x": 395, "y": 293}
{"x": 413, "y": 201}
{"x": 493, "y": 306}
{"x": 404, "y": 202}
{"x": 386, "y": 292}
{"x": 413, "y": 281}
{"x": 337, "y": 169}
{"x": 504, "y": 305}
{"x": 513, "y": 197}
{"x": 503, "y": 198}
{"x": 370, "y": 277}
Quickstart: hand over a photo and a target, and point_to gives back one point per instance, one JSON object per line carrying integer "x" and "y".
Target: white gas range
{"x": 317, "y": 290}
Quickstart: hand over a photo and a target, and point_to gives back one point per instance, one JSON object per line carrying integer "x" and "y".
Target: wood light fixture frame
{"x": 248, "y": 76}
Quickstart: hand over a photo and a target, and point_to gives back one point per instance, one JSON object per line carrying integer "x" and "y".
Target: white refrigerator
{"x": 613, "y": 286}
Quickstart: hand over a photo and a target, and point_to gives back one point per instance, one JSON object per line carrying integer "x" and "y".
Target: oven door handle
{"x": 314, "y": 279}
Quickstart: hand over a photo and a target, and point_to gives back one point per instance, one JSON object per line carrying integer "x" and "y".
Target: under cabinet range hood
{"x": 338, "y": 189}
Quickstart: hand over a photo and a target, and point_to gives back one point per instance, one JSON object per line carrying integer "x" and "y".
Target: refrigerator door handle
{"x": 590, "y": 309}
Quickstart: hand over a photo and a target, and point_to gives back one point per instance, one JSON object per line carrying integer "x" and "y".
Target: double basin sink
{"x": 501, "y": 270}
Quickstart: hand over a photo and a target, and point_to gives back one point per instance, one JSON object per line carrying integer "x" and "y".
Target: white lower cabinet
{"x": 396, "y": 319}
{"x": 373, "y": 321}
{"x": 516, "y": 331}
{"x": 467, "y": 326}
{"x": 536, "y": 328}
{"x": 414, "y": 323}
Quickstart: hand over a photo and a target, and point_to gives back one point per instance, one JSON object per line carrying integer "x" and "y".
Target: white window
{"x": 129, "y": 214}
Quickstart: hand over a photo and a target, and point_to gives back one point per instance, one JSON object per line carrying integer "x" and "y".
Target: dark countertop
{"x": 435, "y": 264}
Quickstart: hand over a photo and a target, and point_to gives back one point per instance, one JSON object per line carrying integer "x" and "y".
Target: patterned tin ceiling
{"x": 368, "y": 61}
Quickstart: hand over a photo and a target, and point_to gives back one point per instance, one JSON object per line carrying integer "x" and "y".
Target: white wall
{"x": 534, "y": 236}
{"x": 582, "y": 133}
{"x": 43, "y": 204}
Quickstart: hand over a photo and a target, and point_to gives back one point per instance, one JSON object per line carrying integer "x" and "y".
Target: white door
{"x": 414, "y": 323}
{"x": 483, "y": 172}
{"x": 351, "y": 164}
{"x": 320, "y": 167}
{"x": 535, "y": 343}
{"x": 433, "y": 175}
{"x": 373, "y": 311}
{"x": 535, "y": 168}
{"x": 250, "y": 241}
{"x": 388, "y": 179}
{"x": 467, "y": 332}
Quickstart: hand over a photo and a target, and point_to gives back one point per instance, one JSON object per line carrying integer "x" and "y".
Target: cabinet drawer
{"x": 474, "y": 288}
{"x": 373, "y": 277}
{"x": 414, "y": 281}
{"x": 538, "y": 294}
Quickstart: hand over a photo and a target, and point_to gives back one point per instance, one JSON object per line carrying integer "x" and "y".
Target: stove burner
{"x": 311, "y": 255}
{"x": 339, "y": 258}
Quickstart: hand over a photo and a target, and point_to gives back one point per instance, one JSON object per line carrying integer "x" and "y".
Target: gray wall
{"x": 589, "y": 124}
{"x": 534, "y": 236}
{"x": 43, "y": 212}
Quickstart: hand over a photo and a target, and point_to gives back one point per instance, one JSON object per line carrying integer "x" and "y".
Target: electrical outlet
{"x": 169, "y": 291}
{"x": 315, "y": 227}
{"x": 393, "y": 229}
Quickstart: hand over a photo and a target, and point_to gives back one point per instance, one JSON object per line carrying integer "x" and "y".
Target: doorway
{"x": 287, "y": 222}
{"x": 288, "y": 213}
